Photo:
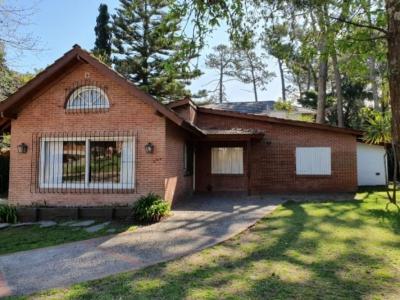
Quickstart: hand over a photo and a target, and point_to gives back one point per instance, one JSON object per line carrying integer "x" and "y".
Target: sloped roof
{"x": 256, "y": 108}
{"x": 10, "y": 107}
{"x": 270, "y": 119}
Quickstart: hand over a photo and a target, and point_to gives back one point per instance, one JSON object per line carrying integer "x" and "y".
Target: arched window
{"x": 88, "y": 97}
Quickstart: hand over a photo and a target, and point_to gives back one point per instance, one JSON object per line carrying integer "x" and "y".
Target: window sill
{"x": 230, "y": 175}
{"x": 85, "y": 190}
{"x": 313, "y": 176}
{"x": 86, "y": 110}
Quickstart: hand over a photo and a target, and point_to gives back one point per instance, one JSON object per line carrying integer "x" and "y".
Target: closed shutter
{"x": 313, "y": 161}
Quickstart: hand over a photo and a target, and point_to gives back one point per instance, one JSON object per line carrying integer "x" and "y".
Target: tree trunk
{"x": 254, "y": 84}
{"x": 314, "y": 77}
{"x": 283, "y": 85}
{"x": 374, "y": 82}
{"x": 372, "y": 62}
{"x": 221, "y": 84}
{"x": 308, "y": 79}
{"x": 393, "y": 12}
{"x": 338, "y": 88}
{"x": 322, "y": 78}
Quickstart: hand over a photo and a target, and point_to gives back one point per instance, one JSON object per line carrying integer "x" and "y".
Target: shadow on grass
{"x": 300, "y": 251}
{"x": 387, "y": 217}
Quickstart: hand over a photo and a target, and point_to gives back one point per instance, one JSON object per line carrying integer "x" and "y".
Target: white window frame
{"x": 219, "y": 170}
{"x": 82, "y": 89}
{"x": 316, "y": 161}
{"x": 130, "y": 184}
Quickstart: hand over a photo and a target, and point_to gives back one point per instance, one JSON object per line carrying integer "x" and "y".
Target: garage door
{"x": 370, "y": 164}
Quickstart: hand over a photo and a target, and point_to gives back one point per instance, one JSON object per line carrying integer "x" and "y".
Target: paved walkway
{"x": 194, "y": 225}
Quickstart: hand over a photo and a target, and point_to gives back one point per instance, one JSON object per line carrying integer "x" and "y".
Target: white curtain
{"x": 127, "y": 163}
{"x": 227, "y": 160}
{"x": 51, "y": 163}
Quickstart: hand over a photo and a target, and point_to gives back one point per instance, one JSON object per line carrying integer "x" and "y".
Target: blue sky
{"x": 59, "y": 24}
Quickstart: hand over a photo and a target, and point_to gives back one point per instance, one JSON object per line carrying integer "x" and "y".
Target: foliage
{"x": 355, "y": 94}
{"x": 307, "y": 118}
{"x": 151, "y": 49}
{"x": 5, "y": 141}
{"x": 312, "y": 250}
{"x": 150, "y": 208}
{"x": 284, "y": 105}
{"x": 102, "y": 44}
{"x": 8, "y": 214}
{"x": 10, "y": 80}
{"x": 378, "y": 128}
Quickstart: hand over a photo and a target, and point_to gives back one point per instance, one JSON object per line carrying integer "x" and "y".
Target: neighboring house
{"x": 266, "y": 108}
{"x": 84, "y": 135}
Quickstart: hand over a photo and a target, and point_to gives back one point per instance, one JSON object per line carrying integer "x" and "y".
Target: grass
{"x": 15, "y": 239}
{"x": 328, "y": 250}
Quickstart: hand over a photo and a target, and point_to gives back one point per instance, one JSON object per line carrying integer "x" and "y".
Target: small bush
{"x": 8, "y": 214}
{"x": 150, "y": 208}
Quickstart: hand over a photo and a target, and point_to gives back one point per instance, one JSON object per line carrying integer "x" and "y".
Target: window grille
{"x": 102, "y": 162}
{"x": 86, "y": 96}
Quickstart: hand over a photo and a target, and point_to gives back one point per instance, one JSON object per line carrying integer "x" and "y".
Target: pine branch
{"x": 380, "y": 29}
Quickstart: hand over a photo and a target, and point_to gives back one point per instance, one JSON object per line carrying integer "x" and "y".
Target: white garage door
{"x": 370, "y": 164}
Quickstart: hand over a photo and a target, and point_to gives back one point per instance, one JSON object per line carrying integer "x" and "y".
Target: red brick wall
{"x": 273, "y": 166}
{"x": 127, "y": 112}
{"x": 177, "y": 184}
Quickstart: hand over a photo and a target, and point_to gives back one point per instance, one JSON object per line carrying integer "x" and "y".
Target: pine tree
{"x": 151, "y": 49}
{"x": 102, "y": 45}
{"x": 222, "y": 61}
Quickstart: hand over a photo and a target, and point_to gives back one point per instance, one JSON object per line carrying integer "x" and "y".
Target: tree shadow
{"x": 288, "y": 255}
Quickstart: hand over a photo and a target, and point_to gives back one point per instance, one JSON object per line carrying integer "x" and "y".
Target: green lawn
{"x": 342, "y": 250}
{"x": 15, "y": 239}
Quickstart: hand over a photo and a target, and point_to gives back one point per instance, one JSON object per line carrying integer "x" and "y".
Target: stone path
{"x": 196, "y": 224}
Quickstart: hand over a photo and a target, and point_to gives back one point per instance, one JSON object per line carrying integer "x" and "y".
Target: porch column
{"x": 248, "y": 166}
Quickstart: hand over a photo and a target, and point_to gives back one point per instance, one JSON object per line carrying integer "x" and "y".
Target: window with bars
{"x": 86, "y": 162}
{"x": 86, "y": 96}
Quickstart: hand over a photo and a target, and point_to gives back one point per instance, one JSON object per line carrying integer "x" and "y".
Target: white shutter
{"x": 128, "y": 164}
{"x": 51, "y": 163}
{"x": 313, "y": 161}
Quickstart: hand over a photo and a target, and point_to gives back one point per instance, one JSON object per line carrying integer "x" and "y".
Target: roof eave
{"x": 281, "y": 121}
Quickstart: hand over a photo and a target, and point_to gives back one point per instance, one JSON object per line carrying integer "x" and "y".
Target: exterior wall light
{"x": 22, "y": 148}
{"x": 149, "y": 148}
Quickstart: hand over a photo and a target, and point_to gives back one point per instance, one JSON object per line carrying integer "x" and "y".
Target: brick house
{"x": 82, "y": 135}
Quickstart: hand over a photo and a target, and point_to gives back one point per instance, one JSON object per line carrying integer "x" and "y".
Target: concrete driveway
{"x": 195, "y": 224}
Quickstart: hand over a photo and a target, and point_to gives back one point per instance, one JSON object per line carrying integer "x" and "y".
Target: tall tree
{"x": 393, "y": 38}
{"x": 102, "y": 44}
{"x": 278, "y": 45}
{"x": 252, "y": 69}
{"x": 151, "y": 49}
{"x": 222, "y": 60}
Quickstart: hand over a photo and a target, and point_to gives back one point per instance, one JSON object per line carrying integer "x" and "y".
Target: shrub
{"x": 284, "y": 105}
{"x": 150, "y": 208}
{"x": 8, "y": 214}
